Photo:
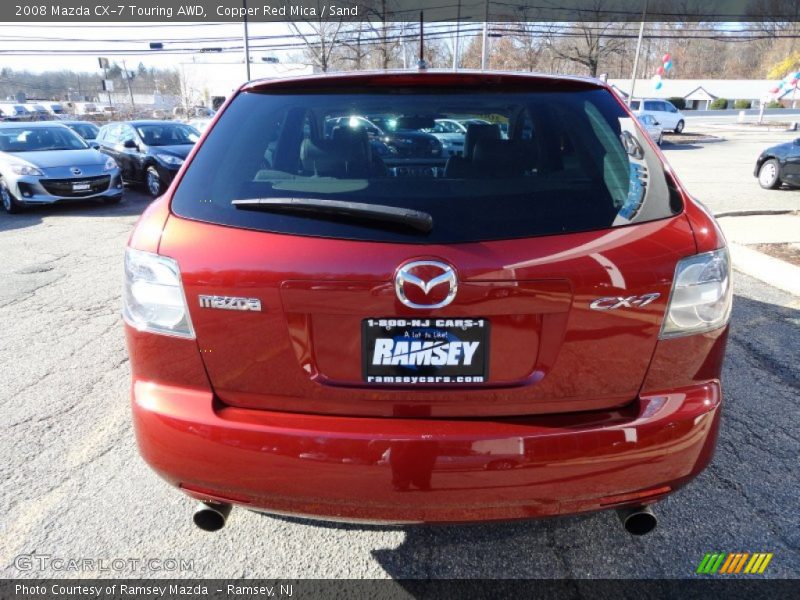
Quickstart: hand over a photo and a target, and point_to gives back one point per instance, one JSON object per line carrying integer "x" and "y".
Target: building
{"x": 700, "y": 93}
{"x": 208, "y": 82}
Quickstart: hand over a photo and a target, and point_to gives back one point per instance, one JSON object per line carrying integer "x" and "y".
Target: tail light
{"x": 701, "y": 295}
{"x": 153, "y": 298}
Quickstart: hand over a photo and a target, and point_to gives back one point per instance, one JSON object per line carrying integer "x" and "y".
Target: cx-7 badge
{"x": 612, "y": 302}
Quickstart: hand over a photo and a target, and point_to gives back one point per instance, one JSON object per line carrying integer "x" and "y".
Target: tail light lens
{"x": 153, "y": 298}
{"x": 701, "y": 295}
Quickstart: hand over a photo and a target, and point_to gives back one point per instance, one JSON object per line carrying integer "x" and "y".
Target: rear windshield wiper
{"x": 379, "y": 213}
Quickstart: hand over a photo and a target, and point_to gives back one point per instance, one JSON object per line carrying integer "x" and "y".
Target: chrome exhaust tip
{"x": 211, "y": 516}
{"x": 638, "y": 520}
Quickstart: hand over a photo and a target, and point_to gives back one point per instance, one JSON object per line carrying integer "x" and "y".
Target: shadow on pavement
{"x": 133, "y": 203}
{"x": 745, "y": 500}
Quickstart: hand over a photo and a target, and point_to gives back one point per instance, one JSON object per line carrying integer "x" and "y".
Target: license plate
{"x": 81, "y": 187}
{"x": 424, "y": 351}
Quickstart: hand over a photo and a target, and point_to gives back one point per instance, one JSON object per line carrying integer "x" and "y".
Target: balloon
{"x": 660, "y": 70}
{"x": 780, "y": 85}
{"x": 668, "y": 65}
{"x": 773, "y": 90}
{"x": 797, "y": 75}
{"x": 793, "y": 83}
{"x": 659, "y": 85}
{"x": 666, "y": 57}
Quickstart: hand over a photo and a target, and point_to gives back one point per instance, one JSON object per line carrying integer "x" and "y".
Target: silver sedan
{"x": 652, "y": 127}
{"x": 46, "y": 162}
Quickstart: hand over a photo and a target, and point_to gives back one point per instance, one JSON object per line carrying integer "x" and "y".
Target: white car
{"x": 652, "y": 127}
{"x": 664, "y": 112}
{"x": 200, "y": 124}
{"x": 451, "y": 134}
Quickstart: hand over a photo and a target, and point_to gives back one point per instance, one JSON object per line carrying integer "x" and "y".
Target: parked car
{"x": 451, "y": 134}
{"x": 778, "y": 165}
{"x": 200, "y": 124}
{"x": 321, "y": 331}
{"x": 86, "y": 108}
{"x": 55, "y": 109}
{"x": 387, "y": 140}
{"x": 38, "y": 112}
{"x": 47, "y": 162}
{"x": 148, "y": 152}
{"x": 662, "y": 111}
{"x": 86, "y": 129}
{"x": 652, "y": 127}
{"x": 15, "y": 112}
{"x": 407, "y": 135}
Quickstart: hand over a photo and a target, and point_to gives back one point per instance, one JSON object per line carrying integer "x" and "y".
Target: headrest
{"x": 345, "y": 154}
{"x": 479, "y": 131}
{"x": 503, "y": 158}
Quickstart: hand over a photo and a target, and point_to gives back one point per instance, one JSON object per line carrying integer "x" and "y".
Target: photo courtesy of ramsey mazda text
{"x": 326, "y": 311}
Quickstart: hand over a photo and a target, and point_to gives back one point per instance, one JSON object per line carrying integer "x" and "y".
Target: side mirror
{"x": 797, "y": 142}
{"x": 94, "y": 145}
{"x": 656, "y": 122}
{"x": 130, "y": 144}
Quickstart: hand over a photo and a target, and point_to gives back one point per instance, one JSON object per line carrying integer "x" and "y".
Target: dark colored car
{"x": 778, "y": 165}
{"x": 533, "y": 328}
{"x": 404, "y": 135}
{"x": 86, "y": 129}
{"x": 148, "y": 152}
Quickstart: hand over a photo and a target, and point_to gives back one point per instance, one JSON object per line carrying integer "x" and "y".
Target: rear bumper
{"x": 405, "y": 470}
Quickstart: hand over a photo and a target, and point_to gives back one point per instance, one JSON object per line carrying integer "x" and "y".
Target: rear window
{"x": 524, "y": 164}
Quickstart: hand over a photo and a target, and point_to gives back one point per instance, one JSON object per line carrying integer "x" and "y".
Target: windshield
{"x": 87, "y": 131}
{"x": 37, "y": 139}
{"x": 167, "y": 134}
{"x": 529, "y": 163}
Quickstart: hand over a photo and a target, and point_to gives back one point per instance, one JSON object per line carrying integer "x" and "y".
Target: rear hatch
{"x": 537, "y": 285}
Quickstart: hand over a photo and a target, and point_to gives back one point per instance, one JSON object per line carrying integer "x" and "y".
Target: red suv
{"x": 321, "y": 326}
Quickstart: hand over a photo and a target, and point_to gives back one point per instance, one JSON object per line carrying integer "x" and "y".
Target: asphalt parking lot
{"x": 74, "y": 486}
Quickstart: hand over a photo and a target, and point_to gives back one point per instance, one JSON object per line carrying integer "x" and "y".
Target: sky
{"x": 98, "y": 39}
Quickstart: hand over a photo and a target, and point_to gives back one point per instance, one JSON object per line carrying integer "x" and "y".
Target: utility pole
{"x": 457, "y": 49}
{"x": 246, "y": 42}
{"x": 128, "y": 81}
{"x": 421, "y": 65}
{"x": 638, "y": 49}
{"x": 484, "y": 56}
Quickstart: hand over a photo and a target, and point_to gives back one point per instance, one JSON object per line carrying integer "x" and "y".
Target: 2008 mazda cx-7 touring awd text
{"x": 534, "y": 326}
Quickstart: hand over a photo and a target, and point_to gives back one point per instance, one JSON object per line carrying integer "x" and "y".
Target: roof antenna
{"x": 421, "y": 64}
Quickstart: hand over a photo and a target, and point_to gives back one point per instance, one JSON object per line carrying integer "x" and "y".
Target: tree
{"x": 588, "y": 44}
{"x": 355, "y": 44}
{"x": 320, "y": 39}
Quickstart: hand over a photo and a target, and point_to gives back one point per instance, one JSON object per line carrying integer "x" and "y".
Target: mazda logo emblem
{"x": 443, "y": 274}
{"x": 76, "y": 171}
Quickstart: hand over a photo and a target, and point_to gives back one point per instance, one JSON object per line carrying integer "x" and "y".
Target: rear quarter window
{"x": 531, "y": 163}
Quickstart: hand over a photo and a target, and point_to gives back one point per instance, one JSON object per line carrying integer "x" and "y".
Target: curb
{"x": 773, "y": 271}
{"x": 755, "y": 212}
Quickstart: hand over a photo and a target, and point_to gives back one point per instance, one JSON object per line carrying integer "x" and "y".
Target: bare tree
{"x": 320, "y": 38}
{"x": 588, "y": 44}
{"x": 355, "y": 46}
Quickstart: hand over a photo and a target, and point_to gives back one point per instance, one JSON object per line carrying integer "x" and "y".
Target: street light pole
{"x": 246, "y": 42}
{"x": 128, "y": 81}
{"x": 638, "y": 50}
